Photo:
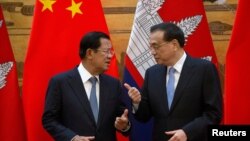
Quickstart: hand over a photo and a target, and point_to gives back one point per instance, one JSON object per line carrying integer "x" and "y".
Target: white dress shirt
{"x": 178, "y": 68}
{"x": 85, "y": 76}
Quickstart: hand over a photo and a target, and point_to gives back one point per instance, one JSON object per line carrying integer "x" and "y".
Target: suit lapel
{"x": 160, "y": 82}
{"x": 103, "y": 99}
{"x": 185, "y": 76}
{"x": 76, "y": 83}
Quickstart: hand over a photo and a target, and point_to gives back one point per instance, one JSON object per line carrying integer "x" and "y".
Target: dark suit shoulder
{"x": 201, "y": 61}
{"x": 198, "y": 62}
{"x": 109, "y": 78}
{"x": 65, "y": 74}
{"x": 156, "y": 67}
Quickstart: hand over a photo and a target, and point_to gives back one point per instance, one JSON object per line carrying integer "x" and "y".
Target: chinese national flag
{"x": 237, "y": 92}
{"x": 12, "y": 125}
{"x": 190, "y": 17}
{"x": 58, "y": 26}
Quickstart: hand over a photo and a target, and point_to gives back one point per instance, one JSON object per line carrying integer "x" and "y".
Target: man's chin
{"x": 157, "y": 61}
{"x": 106, "y": 67}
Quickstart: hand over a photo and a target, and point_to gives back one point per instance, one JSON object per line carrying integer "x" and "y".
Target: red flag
{"x": 12, "y": 125}
{"x": 237, "y": 92}
{"x": 189, "y": 16}
{"x": 58, "y": 26}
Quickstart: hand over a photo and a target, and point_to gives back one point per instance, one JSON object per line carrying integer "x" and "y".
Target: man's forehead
{"x": 106, "y": 42}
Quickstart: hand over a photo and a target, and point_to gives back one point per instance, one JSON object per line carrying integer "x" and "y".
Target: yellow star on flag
{"x": 75, "y": 8}
{"x": 47, "y": 4}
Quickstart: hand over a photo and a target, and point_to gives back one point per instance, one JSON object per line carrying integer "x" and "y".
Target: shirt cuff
{"x": 127, "y": 128}
{"x": 135, "y": 108}
{"x": 73, "y": 137}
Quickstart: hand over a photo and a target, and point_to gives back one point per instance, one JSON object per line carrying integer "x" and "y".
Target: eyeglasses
{"x": 107, "y": 51}
{"x": 155, "y": 46}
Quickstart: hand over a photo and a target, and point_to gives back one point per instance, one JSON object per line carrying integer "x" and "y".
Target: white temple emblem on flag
{"x": 146, "y": 16}
{"x": 4, "y": 70}
{"x": 1, "y": 23}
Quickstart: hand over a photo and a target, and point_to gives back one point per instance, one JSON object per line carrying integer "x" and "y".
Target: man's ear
{"x": 175, "y": 43}
{"x": 89, "y": 53}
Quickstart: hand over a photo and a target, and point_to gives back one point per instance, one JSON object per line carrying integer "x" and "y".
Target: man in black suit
{"x": 84, "y": 104}
{"x": 183, "y": 101}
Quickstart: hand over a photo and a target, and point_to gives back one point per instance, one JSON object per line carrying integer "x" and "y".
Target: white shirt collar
{"x": 179, "y": 64}
{"x": 85, "y": 74}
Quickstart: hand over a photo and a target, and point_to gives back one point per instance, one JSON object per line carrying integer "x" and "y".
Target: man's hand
{"x": 177, "y": 135}
{"x": 121, "y": 123}
{"x": 83, "y": 138}
{"x": 133, "y": 93}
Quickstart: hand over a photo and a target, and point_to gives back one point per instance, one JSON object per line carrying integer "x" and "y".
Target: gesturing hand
{"x": 121, "y": 122}
{"x": 133, "y": 93}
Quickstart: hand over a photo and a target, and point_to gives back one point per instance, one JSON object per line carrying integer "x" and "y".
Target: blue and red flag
{"x": 190, "y": 17}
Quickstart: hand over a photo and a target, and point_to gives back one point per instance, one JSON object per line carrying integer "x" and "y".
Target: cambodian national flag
{"x": 190, "y": 17}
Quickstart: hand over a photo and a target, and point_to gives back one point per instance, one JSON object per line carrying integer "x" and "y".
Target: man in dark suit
{"x": 182, "y": 93}
{"x": 84, "y": 104}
